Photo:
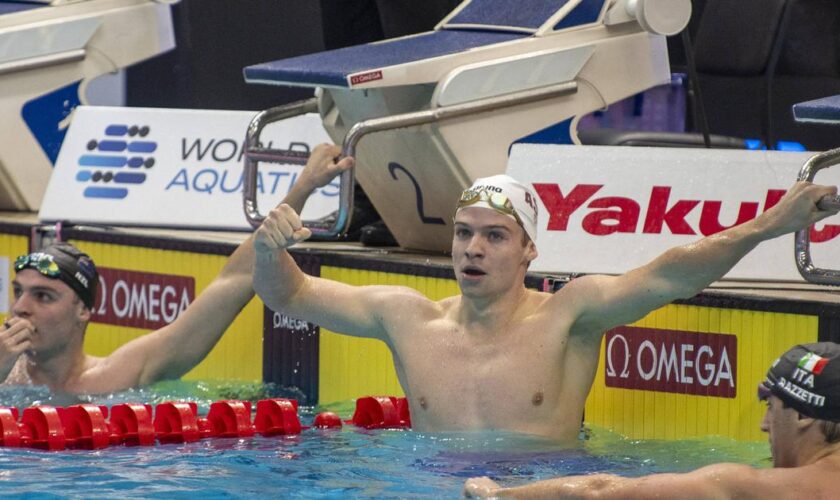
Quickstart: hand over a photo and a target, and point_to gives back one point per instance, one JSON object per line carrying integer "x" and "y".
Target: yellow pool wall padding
{"x": 11, "y": 245}
{"x": 762, "y": 337}
{"x": 237, "y": 356}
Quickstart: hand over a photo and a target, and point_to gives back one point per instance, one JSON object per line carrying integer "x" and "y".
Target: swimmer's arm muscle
{"x": 713, "y": 482}
{"x": 175, "y": 349}
{"x": 684, "y": 271}
{"x": 352, "y": 310}
{"x": 172, "y": 351}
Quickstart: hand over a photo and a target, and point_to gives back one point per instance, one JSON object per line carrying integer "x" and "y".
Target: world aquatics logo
{"x": 116, "y": 162}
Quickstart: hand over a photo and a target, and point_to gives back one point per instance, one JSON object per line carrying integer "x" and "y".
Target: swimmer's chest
{"x": 454, "y": 360}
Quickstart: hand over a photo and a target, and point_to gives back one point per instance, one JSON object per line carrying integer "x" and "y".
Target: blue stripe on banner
{"x": 106, "y": 192}
{"x": 116, "y": 130}
{"x": 142, "y": 147}
{"x": 112, "y": 146}
{"x": 102, "y": 161}
{"x": 129, "y": 178}
{"x": 83, "y": 176}
{"x": 135, "y": 162}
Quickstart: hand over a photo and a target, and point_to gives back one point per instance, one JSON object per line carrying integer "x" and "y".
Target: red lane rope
{"x": 88, "y": 427}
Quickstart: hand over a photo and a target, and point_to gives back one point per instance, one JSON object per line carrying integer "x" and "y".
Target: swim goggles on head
{"x": 497, "y": 202}
{"x": 41, "y": 262}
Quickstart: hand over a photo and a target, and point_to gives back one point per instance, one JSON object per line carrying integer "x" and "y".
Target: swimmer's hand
{"x": 281, "y": 229}
{"x": 15, "y": 339}
{"x": 481, "y": 487}
{"x": 797, "y": 209}
{"x": 323, "y": 166}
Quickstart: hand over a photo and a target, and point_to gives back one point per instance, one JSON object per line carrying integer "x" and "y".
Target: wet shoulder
{"x": 403, "y": 299}
{"x": 535, "y": 303}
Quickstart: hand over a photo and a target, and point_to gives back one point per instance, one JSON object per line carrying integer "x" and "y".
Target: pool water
{"x": 329, "y": 463}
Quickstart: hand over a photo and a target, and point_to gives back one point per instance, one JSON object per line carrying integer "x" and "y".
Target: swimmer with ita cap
{"x": 55, "y": 292}
{"x": 498, "y": 355}
{"x": 802, "y": 392}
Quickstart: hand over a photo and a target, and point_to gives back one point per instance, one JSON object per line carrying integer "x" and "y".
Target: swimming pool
{"x": 330, "y": 463}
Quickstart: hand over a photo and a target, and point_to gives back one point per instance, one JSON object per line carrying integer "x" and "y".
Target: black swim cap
{"x": 807, "y": 379}
{"x": 65, "y": 262}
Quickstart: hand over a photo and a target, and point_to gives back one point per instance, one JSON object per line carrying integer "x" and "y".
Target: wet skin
{"x": 500, "y": 356}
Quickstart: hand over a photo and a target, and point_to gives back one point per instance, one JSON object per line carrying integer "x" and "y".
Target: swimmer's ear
{"x": 803, "y": 423}
{"x": 84, "y": 313}
{"x": 531, "y": 251}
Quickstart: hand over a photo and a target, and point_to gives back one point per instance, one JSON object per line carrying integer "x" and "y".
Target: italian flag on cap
{"x": 813, "y": 363}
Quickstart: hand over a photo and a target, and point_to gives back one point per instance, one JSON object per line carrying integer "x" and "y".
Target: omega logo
{"x": 671, "y": 361}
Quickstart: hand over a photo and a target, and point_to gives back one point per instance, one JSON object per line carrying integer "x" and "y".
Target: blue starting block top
{"x": 334, "y": 68}
{"x": 479, "y": 23}
{"x": 502, "y": 14}
{"x": 825, "y": 110}
{"x": 12, "y": 7}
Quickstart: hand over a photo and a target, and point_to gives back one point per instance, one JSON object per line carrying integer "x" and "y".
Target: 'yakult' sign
{"x": 141, "y": 300}
{"x": 611, "y": 209}
{"x": 671, "y": 361}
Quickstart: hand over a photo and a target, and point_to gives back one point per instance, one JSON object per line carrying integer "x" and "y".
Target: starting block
{"x": 439, "y": 109}
{"x": 49, "y": 52}
{"x": 826, "y": 111}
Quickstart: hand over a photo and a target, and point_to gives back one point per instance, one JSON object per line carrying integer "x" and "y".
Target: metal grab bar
{"x": 802, "y": 245}
{"x": 254, "y": 153}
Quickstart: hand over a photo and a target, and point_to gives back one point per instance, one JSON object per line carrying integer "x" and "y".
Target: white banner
{"x": 612, "y": 209}
{"x": 174, "y": 168}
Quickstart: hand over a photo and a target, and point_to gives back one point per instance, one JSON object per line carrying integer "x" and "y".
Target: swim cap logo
{"x": 81, "y": 279}
{"x": 812, "y": 363}
{"x": 530, "y": 201}
{"x": 103, "y": 166}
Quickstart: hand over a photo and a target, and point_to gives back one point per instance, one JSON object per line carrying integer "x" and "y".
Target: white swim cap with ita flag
{"x": 505, "y": 195}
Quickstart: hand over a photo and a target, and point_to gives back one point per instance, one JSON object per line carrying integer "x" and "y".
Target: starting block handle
{"x": 802, "y": 245}
{"x": 255, "y": 153}
{"x": 829, "y": 203}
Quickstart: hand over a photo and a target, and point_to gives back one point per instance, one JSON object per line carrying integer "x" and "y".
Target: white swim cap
{"x": 515, "y": 198}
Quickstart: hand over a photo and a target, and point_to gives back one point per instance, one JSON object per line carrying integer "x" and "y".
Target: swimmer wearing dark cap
{"x": 802, "y": 392}
{"x": 55, "y": 291}
{"x": 66, "y": 263}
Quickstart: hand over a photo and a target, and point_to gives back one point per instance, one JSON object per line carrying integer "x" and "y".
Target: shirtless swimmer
{"x": 54, "y": 290}
{"x": 500, "y": 356}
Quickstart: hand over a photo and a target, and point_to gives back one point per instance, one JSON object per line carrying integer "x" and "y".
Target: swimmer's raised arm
{"x": 283, "y": 287}
{"x": 175, "y": 349}
{"x": 682, "y": 272}
{"x": 714, "y": 481}
{"x": 321, "y": 168}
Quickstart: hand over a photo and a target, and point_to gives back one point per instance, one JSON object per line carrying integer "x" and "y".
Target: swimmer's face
{"x": 53, "y": 309}
{"x": 489, "y": 251}
{"x": 783, "y": 425}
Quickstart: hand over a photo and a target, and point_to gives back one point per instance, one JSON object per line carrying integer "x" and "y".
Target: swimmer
{"x": 804, "y": 435}
{"x": 500, "y": 356}
{"x": 54, "y": 291}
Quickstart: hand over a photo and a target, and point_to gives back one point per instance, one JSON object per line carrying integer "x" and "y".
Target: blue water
{"x": 328, "y": 463}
